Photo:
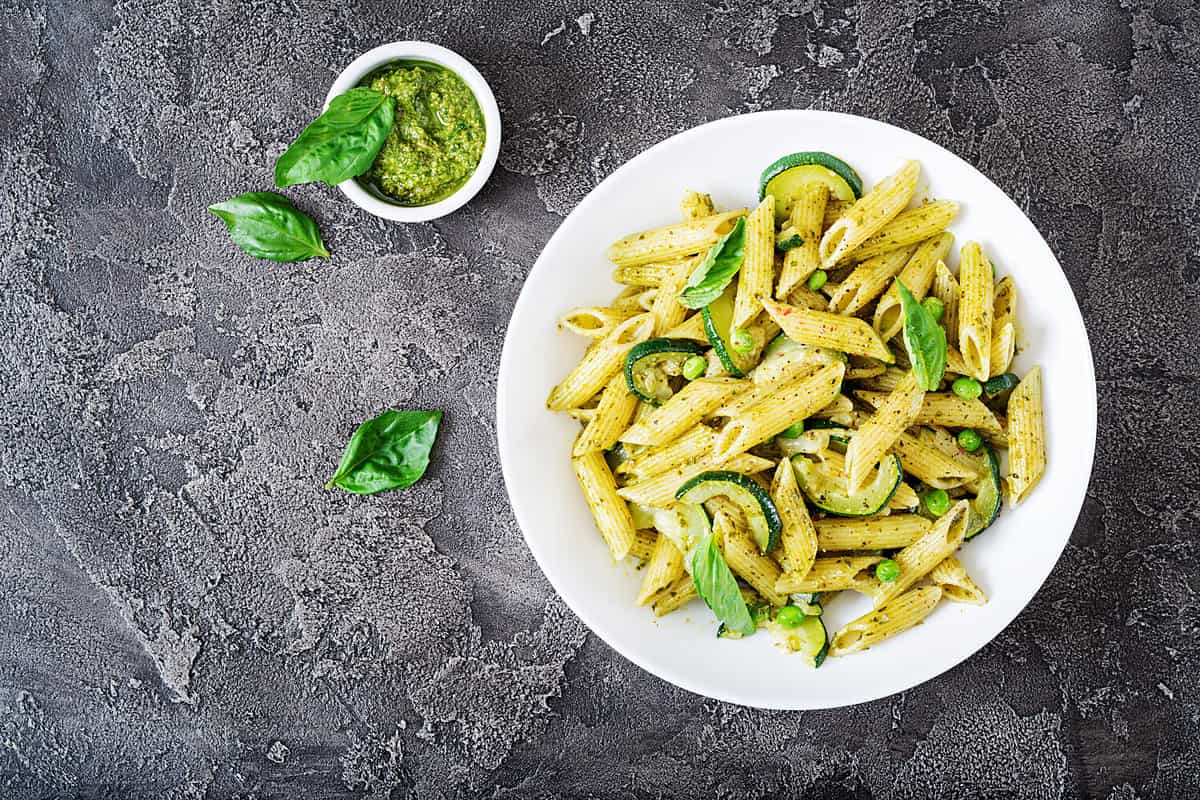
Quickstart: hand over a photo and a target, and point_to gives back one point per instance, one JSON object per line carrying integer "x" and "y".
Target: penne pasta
{"x": 919, "y": 558}
{"x": 652, "y": 274}
{"x": 683, "y": 410}
{"x": 877, "y": 435}
{"x": 798, "y": 536}
{"x": 868, "y": 280}
{"x": 869, "y": 215}
{"x": 643, "y": 545}
{"x": 902, "y": 613}
{"x": 595, "y": 322}
{"x": 869, "y": 533}
{"x": 917, "y": 277}
{"x": 653, "y": 460}
{"x": 674, "y": 596}
{"x": 945, "y": 288}
{"x": 658, "y": 491}
{"x": 975, "y": 311}
{"x": 947, "y": 409}
{"x": 600, "y": 363}
{"x": 616, "y": 408}
{"x": 608, "y": 509}
{"x": 951, "y": 577}
{"x": 1004, "y": 327}
{"x": 743, "y": 558}
{"x": 930, "y": 465}
{"x": 758, "y": 264}
{"x": 667, "y": 311}
{"x": 832, "y": 574}
{"x": 671, "y": 241}
{"x": 664, "y": 567}
{"x": 822, "y": 329}
{"x": 691, "y": 328}
{"x": 807, "y": 219}
{"x": 1026, "y": 437}
{"x": 909, "y": 227}
{"x": 791, "y": 403}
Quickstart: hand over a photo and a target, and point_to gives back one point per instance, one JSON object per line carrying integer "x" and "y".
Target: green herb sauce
{"x": 437, "y": 138}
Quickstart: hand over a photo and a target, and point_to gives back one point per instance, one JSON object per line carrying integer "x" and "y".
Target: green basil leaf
{"x": 709, "y": 279}
{"x": 388, "y": 452}
{"x": 267, "y": 225}
{"x": 717, "y": 587}
{"x": 341, "y": 143}
{"x": 924, "y": 340}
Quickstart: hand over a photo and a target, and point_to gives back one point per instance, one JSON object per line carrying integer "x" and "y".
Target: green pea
{"x": 793, "y": 430}
{"x": 967, "y": 388}
{"x": 969, "y": 440}
{"x": 694, "y": 367}
{"x": 817, "y": 280}
{"x": 887, "y": 570}
{"x": 789, "y": 616}
{"x": 935, "y": 307}
{"x": 937, "y": 502}
{"x": 741, "y": 340}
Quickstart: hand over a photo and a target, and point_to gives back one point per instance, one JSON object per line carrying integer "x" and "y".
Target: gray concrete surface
{"x": 186, "y": 613}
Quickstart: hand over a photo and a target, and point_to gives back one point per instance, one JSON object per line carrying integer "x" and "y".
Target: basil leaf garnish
{"x": 341, "y": 143}
{"x": 390, "y": 451}
{"x": 924, "y": 340}
{"x": 717, "y": 587}
{"x": 714, "y": 273}
{"x": 267, "y": 225}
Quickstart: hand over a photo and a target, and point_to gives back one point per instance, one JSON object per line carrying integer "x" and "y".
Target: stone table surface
{"x": 186, "y": 613}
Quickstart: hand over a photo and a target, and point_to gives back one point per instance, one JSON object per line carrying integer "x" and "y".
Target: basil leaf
{"x": 717, "y": 587}
{"x": 341, "y": 143}
{"x": 724, "y": 259}
{"x": 267, "y": 225}
{"x": 924, "y": 340}
{"x": 388, "y": 452}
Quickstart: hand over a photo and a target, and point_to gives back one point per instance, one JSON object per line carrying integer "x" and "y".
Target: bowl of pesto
{"x": 445, "y": 136}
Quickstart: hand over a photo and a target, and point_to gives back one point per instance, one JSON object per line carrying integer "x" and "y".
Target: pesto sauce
{"x": 437, "y": 138}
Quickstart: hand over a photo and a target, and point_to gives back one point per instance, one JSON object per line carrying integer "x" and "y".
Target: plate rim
{"x": 541, "y": 263}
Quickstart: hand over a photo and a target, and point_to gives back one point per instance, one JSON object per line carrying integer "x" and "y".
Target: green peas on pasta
{"x": 789, "y": 616}
{"x": 694, "y": 367}
{"x": 969, "y": 440}
{"x": 937, "y": 502}
{"x": 967, "y": 388}
{"x": 817, "y": 280}
{"x": 887, "y": 570}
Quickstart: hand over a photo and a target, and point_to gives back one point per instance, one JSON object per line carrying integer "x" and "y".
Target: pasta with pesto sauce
{"x": 801, "y": 400}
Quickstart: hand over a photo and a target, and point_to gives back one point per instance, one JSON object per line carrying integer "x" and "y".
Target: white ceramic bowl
{"x": 1010, "y": 561}
{"x": 424, "y": 51}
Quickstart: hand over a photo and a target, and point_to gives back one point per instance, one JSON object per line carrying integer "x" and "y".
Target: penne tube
{"x": 909, "y": 227}
{"x": 658, "y": 491}
{"x": 687, "y": 447}
{"x": 902, "y": 613}
{"x": 600, "y": 363}
{"x": 876, "y": 436}
{"x": 791, "y": 403}
{"x": 945, "y": 288}
{"x": 643, "y": 546}
{"x": 609, "y": 510}
{"x": 869, "y": 214}
{"x": 917, "y": 277}
{"x": 742, "y": 556}
{"x": 652, "y": 274}
{"x": 691, "y": 328}
{"x": 919, "y": 558}
{"x": 674, "y": 596}
{"x": 808, "y": 213}
{"x": 952, "y": 578}
{"x": 870, "y": 533}
{"x": 976, "y": 307}
{"x": 671, "y": 241}
{"x": 947, "y": 409}
{"x": 798, "y": 536}
{"x": 613, "y": 413}
{"x": 696, "y": 205}
{"x": 664, "y": 567}
{"x": 832, "y": 574}
{"x": 868, "y": 280}
{"x": 1004, "y": 327}
{"x": 1026, "y": 437}
{"x": 595, "y": 322}
{"x": 758, "y": 264}
{"x": 667, "y": 311}
{"x": 822, "y": 329}
{"x": 929, "y": 465}
{"x": 695, "y": 401}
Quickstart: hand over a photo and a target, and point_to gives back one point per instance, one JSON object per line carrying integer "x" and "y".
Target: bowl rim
{"x": 606, "y": 631}
{"x": 376, "y": 57}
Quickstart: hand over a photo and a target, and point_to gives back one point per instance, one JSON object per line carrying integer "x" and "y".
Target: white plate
{"x": 1010, "y": 561}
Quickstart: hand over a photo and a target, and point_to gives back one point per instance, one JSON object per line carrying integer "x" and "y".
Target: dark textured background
{"x": 186, "y": 613}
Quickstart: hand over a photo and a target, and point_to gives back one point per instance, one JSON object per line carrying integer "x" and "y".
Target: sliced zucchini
{"x": 787, "y": 239}
{"x": 718, "y": 319}
{"x": 650, "y": 365}
{"x": 809, "y": 639}
{"x": 784, "y": 177}
{"x": 829, "y": 493}
{"x": 814, "y": 442}
{"x": 761, "y": 515}
{"x": 616, "y": 455}
{"x": 682, "y": 523}
{"x": 985, "y": 506}
{"x": 997, "y": 390}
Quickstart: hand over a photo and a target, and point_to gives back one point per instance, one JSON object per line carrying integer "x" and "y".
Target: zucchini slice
{"x": 784, "y": 177}
{"x": 761, "y": 515}
{"x": 828, "y": 492}
{"x": 809, "y": 639}
{"x": 997, "y": 390}
{"x": 650, "y": 365}
{"x": 718, "y": 319}
{"x": 985, "y": 506}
